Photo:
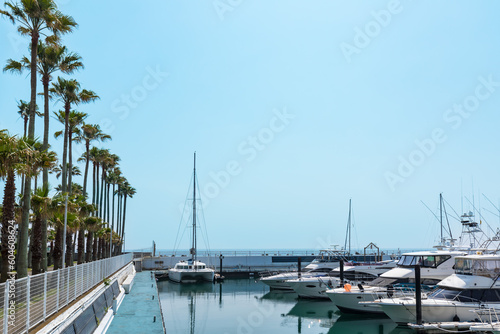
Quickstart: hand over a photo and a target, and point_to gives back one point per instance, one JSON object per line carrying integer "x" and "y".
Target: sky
{"x": 294, "y": 107}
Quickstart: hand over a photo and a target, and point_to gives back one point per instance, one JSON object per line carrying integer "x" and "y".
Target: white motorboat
{"x": 474, "y": 285}
{"x": 313, "y": 287}
{"x": 327, "y": 260}
{"x": 192, "y": 271}
{"x": 316, "y": 286}
{"x": 435, "y": 266}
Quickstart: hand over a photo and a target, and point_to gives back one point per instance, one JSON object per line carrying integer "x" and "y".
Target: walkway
{"x": 138, "y": 309}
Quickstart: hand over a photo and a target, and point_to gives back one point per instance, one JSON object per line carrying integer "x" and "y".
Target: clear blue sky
{"x": 293, "y": 107}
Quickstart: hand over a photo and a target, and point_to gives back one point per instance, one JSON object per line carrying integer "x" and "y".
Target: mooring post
{"x": 341, "y": 271}
{"x": 300, "y": 266}
{"x": 418, "y": 295}
{"x": 220, "y": 266}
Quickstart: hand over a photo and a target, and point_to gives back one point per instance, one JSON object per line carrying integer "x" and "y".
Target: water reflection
{"x": 366, "y": 324}
{"x": 247, "y": 306}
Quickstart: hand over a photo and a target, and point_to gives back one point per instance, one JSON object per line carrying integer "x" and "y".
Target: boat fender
{"x": 347, "y": 287}
{"x": 456, "y": 318}
{"x": 361, "y": 288}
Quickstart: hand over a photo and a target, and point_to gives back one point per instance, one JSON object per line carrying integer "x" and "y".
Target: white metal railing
{"x": 269, "y": 252}
{"x": 26, "y": 302}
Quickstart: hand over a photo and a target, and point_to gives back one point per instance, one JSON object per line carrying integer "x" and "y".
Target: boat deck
{"x": 140, "y": 310}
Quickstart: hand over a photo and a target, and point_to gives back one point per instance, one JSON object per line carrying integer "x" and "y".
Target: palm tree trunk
{"x": 36, "y": 246}
{"x": 96, "y": 181}
{"x": 8, "y": 216}
{"x": 124, "y": 212}
{"x": 67, "y": 108}
{"x": 25, "y": 125}
{"x": 107, "y": 202}
{"x": 81, "y": 244}
{"x": 57, "y": 251}
{"x": 118, "y": 212}
{"x": 101, "y": 211}
{"x": 88, "y": 255}
{"x": 22, "y": 242}
{"x": 69, "y": 248}
{"x": 87, "y": 157}
{"x": 113, "y": 208}
{"x": 70, "y": 162}
{"x": 95, "y": 249}
{"x": 45, "y": 172}
{"x": 73, "y": 247}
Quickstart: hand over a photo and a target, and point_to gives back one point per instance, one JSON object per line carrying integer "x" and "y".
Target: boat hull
{"x": 404, "y": 311}
{"x": 349, "y": 301}
{"x": 184, "y": 276}
{"x": 279, "y": 282}
{"x": 313, "y": 288}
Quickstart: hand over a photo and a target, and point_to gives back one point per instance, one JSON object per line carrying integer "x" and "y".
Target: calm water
{"x": 245, "y": 306}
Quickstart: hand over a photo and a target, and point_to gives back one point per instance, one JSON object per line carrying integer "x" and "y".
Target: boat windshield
{"x": 468, "y": 295}
{"x": 478, "y": 267}
{"x": 426, "y": 261}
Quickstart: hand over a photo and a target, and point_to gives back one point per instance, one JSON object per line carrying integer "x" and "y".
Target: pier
{"x": 140, "y": 308}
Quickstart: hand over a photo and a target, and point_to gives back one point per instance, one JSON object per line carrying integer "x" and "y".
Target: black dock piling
{"x": 220, "y": 265}
{"x": 418, "y": 295}
{"x": 341, "y": 271}
{"x": 299, "y": 266}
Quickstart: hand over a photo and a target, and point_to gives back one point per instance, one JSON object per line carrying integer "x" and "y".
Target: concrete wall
{"x": 247, "y": 263}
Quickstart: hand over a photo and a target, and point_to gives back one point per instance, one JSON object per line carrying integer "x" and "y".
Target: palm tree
{"x": 94, "y": 157}
{"x": 51, "y": 58}
{"x": 90, "y": 133}
{"x": 104, "y": 160}
{"x": 9, "y": 158}
{"x": 40, "y": 203}
{"x": 42, "y": 159}
{"x": 128, "y": 191}
{"x": 34, "y": 18}
{"x": 69, "y": 93}
{"x": 84, "y": 210}
{"x": 57, "y": 220}
{"x": 75, "y": 120}
{"x": 92, "y": 223}
{"x": 24, "y": 112}
{"x": 24, "y": 109}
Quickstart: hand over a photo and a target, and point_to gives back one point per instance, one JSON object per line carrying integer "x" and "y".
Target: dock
{"x": 140, "y": 309}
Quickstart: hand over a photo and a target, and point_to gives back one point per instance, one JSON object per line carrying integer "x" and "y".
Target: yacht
{"x": 192, "y": 271}
{"x": 435, "y": 266}
{"x": 474, "y": 285}
{"x": 325, "y": 262}
{"x": 316, "y": 286}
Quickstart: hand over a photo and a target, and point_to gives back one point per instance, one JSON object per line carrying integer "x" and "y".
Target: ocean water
{"x": 246, "y": 306}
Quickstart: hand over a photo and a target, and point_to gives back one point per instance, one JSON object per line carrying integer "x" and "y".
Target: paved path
{"x": 138, "y": 309}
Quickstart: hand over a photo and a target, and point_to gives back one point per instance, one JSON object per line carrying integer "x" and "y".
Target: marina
{"x": 249, "y": 167}
{"x": 248, "y": 306}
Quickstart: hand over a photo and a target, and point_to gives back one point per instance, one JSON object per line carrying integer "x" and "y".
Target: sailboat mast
{"x": 193, "y": 249}
{"x": 347, "y": 243}
{"x": 441, "y": 215}
{"x": 349, "y": 225}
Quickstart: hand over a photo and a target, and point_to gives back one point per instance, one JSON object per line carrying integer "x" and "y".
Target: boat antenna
{"x": 348, "y": 231}
{"x": 462, "y": 195}
{"x": 193, "y": 249}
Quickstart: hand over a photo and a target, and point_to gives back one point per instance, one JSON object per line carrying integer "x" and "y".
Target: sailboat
{"x": 192, "y": 270}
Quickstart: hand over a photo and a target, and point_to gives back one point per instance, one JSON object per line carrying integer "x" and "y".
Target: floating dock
{"x": 140, "y": 310}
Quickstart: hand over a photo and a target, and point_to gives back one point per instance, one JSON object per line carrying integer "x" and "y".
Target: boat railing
{"x": 400, "y": 291}
{"x": 488, "y": 315}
